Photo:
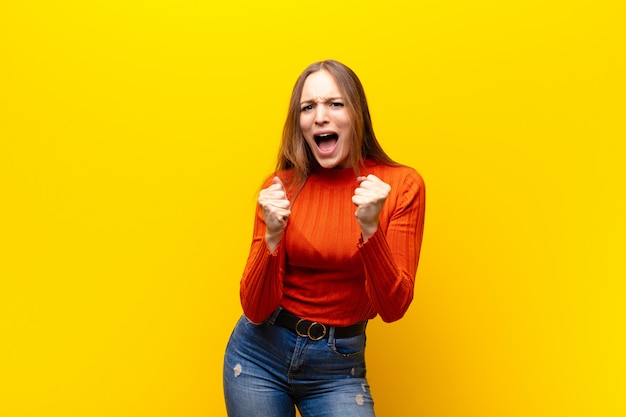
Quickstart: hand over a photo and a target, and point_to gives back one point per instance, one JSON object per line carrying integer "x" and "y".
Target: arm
{"x": 390, "y": 258}
{"x": 261, "y": 286}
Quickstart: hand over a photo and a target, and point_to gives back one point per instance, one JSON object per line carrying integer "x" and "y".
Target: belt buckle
{"x": 308, "y": 330}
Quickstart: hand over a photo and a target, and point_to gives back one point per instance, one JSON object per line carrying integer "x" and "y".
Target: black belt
{"x": 314, "y": 330}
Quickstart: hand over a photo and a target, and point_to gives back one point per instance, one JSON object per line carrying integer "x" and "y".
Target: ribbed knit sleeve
{"x": 320, "y": 270}
{"x": 261, "y": 287}
{"x": 390, "y": 257}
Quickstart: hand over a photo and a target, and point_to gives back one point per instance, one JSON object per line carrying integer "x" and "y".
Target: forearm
{"x": 391, "y": 255}
{"x": 388, "y": 284}
{"x": 272, "y": 240}
{"x": 261, "y": 286}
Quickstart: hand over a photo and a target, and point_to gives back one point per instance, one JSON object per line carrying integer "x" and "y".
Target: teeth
{"x": 325, "y": 135}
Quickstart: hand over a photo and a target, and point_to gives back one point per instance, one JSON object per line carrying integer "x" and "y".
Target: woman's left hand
{"x": 369, "y": 198}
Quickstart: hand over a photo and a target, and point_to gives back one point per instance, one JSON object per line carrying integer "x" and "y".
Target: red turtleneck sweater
{"x": 322, "y": 270}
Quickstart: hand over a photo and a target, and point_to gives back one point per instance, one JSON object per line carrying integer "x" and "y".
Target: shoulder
{"x": 286, "y": 176}
{"x": 398, "y": 176}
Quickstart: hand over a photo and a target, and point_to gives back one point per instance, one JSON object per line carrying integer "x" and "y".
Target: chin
{"x": 332, "y": 164}
{"x": 326, "y": 165}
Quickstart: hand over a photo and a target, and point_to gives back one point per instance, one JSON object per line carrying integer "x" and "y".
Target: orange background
{"x": 133, "y": 139}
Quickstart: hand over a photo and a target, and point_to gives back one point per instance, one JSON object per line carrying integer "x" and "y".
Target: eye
{"x": 336, "y": 104}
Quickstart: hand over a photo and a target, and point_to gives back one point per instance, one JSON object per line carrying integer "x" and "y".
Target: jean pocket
{"x": 349, "y": 347}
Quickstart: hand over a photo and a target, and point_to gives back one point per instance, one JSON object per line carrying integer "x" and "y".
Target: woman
{"x": 336, "y": 241}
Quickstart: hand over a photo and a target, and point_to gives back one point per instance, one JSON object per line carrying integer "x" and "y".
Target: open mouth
{"x": 326, "y": 141}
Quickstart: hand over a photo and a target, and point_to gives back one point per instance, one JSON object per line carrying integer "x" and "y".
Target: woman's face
{"x": 325, "y": 122}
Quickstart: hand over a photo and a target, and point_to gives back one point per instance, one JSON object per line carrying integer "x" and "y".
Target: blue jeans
{"x": 268, "y": 370}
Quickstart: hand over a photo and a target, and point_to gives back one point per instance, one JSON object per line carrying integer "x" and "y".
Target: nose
{"x": 321, "y": 114}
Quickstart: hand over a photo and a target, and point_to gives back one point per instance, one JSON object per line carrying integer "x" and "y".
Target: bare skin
{"x": 276, "y": 210}
{"x": 369, "y": 198}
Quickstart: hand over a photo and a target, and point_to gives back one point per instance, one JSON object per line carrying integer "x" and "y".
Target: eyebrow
{"x": 325, "y": 100}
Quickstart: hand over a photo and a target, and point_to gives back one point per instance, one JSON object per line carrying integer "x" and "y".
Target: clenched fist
{"x": 276, "y": 210}
{"x": 369, "y": 198}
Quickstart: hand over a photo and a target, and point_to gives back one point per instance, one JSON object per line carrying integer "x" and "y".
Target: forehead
{"x": 320, "y": 84}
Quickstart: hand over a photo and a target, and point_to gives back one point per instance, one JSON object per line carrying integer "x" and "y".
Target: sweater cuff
{"x": 276, "y": 251}
{"x": 377, "y": 249}
{"x": 375, "y": 237}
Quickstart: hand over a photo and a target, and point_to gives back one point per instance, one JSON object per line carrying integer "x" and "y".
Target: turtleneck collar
{"x": 339, "y": 176}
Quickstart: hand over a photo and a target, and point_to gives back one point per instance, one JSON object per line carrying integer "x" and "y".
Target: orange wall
{"x": 134, "y": 135}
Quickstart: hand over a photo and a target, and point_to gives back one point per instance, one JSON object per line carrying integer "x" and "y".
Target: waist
{"x": 317, "y": 331}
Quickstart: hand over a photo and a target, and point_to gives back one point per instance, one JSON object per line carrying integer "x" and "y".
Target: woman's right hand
{"x": 276, "y": 210}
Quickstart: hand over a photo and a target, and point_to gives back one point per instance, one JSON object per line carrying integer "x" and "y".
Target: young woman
{"x": 336, "y": 241}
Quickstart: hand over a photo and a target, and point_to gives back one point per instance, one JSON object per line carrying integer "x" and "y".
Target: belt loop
{"x": 331, "y": 335}
{"x": 272, "y": 317}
